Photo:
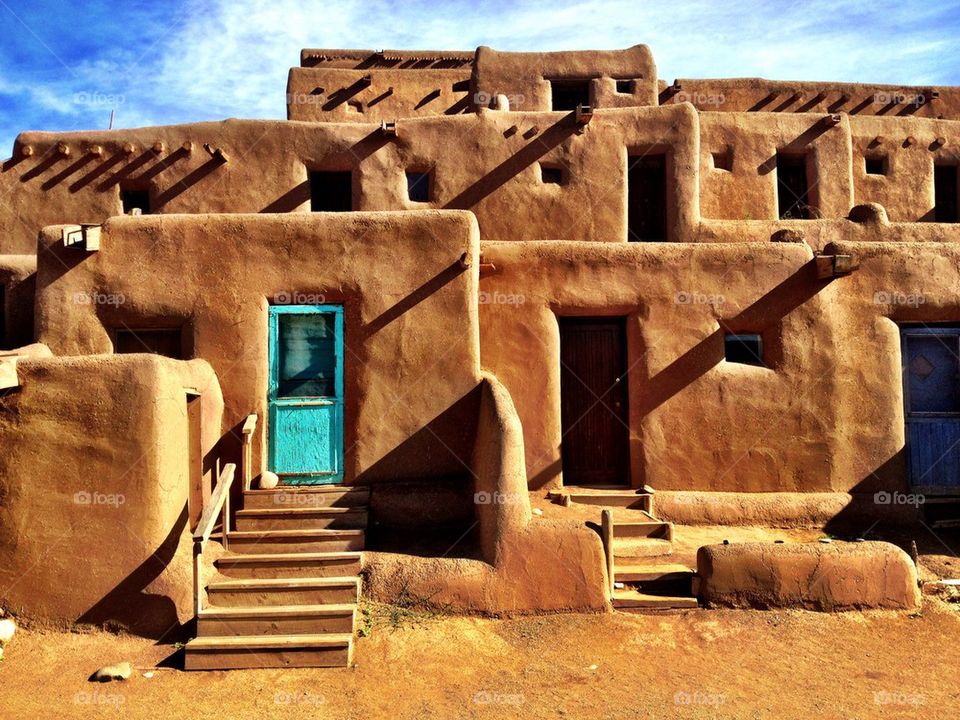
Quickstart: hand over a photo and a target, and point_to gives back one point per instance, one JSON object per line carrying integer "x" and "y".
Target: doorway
{"x": 595, "y": 445}
{"x": 931, "y": 383}
{"x": 305, "y": 398}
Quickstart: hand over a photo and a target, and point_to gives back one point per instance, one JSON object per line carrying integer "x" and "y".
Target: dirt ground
{"x": 690, "y": 664}
{"x": 422, "y": 665}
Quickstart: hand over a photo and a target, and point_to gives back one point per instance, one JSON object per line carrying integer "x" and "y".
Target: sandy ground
{"x": 690, "y": 664}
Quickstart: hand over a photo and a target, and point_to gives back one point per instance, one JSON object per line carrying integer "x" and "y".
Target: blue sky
{"x": 65, "y": 64}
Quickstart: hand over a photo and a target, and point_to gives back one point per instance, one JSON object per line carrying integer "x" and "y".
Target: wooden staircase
{"x": 289, "y": 583}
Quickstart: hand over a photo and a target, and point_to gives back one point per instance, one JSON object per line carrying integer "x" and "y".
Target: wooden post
{"x": 606, "y": 535}
{"x": 197, "y": 550}
{"x": 225, "y": 520}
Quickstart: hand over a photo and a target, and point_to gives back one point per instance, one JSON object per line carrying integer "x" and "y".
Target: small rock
{"x": 120, "y": 671}
{"x": 593, "y": 667}
{"x": 7, "y": 630}
{"x": 269, "y": 480}
{"x": 537, "y": 511}
{"x": 826, "y": 541}
{"x": 148, "y": 674}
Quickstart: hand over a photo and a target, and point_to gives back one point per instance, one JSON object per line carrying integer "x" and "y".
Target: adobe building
{"x": 448, "y": 281}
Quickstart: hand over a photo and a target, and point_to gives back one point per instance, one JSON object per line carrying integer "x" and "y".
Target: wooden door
{"x": 306, "y": 393}
{"x": 932, "y": 388}
{"x": 593, "y": 401}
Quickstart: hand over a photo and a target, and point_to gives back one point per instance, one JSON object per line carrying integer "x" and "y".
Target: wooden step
{"x": 302, "y": 518}
{"x": 294, "y": 541}
{"x": 629, "y": 599}
{"x": 625, "y": 549}
{"x": 670, "y": 572}
{"x": 290, "y": 565}
{"x": 307, "y": 496}
{"x": 608, "y": 496}
{"x": 269, "y": 651}
{"x": 649, "y": 528}
{"x": 284, "y": 591}
{"x": 276, "y": 620}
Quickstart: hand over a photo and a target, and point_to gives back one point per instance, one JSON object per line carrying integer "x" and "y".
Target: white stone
{"x": 7, "y": 630}
{"x": 269, "y": 480}
{"x": 119, "y": 671}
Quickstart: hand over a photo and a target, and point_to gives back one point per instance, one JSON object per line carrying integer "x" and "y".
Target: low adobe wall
{"x": 814, "y": 576}
{"x": 529, "y": 564}
{"x": 95, "y": 464}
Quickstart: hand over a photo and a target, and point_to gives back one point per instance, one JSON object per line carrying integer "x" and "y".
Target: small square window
{"x": 418, "y": 186}
{"x": 331, "y": 191}
{"x": 743, "y": 349}
{"x": 167, "y": 342}
{"x": 551, "y": 175}
{"x": 132, "y": 199}
{"x": 624, "y": 87}
{"x": 875, "y": 165}
{"x": 723, "y": 160}
{"x": 568, "y": 94}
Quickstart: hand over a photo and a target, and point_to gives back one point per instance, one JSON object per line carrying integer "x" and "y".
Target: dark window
{"x": 418, "y": 186}
{"x": 551, "y": 175}
{"x": 945, "y": 193}
{"x": 131, "y": 198}
{"x": 3, "y": 315}
{"x": 331, "y": 191}
{"x": 723, "y": 160}
{"x": 647, "y": 197}
{"x": 743, "y": 349}
{"x": 875, "y": 165}
{"x": 567, "y": 94}
{"x": 624, "y": 86}
{"x": 793, "y": 195}
{"x": 166, "y": 342}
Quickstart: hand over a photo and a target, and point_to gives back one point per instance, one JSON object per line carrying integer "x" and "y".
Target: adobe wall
{"x": 524, "y": 77}
{"x": 785, "y": 96}
{"x": 411, "y": 332}
{"x": 94, "y": 463}
{"x": 826, "y": 417}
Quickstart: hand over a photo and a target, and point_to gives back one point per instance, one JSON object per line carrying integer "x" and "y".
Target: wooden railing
{"x": 249, "y": 427}
{"x": 219, "y": 506}
{"x": 606, "y": 535}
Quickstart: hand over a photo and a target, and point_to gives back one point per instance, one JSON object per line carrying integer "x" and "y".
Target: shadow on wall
{"x": 131, "y": 607}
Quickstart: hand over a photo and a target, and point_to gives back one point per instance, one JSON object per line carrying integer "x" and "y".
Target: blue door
{"x": 305, "y": 400}
{"x": 932, "y": 393}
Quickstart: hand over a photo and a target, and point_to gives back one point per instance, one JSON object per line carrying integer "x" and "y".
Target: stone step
{"x": 630, "y": 599}
{"x": 295, "y": 541}
{"x": 302, "y": 518}
{"x": 269, "y": 651}
{"x": 669, "y": 572}
{"x": 289, "y": 565}
{"x": 284, "y": 591}
{"x": 276, "y": 620}
{"x": 618, "y": 497}
{"x": 306, "y": 496}
{"x": 626, "y": 549}
{"x": 648, "y": 528}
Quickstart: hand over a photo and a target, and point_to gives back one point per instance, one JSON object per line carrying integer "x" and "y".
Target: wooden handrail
{"x": 219, "y": 505}
{"x": 249, "y": 426}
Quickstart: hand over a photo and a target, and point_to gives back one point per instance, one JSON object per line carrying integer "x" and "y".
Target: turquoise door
{"x": 305, "y": 400}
